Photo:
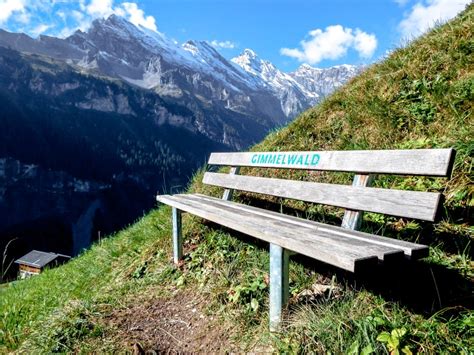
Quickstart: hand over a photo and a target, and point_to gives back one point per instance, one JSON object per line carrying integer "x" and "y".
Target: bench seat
{"x": 337, "y": 246}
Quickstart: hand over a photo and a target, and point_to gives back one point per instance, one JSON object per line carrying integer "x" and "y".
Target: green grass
{"x": 419, "y": 97}
{"x": 105, "y": 267}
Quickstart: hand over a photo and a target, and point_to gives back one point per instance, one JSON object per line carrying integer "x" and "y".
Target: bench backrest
{"x": 356, "y": 197}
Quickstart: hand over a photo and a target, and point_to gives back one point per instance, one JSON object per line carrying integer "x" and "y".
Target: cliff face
{"x": 53, "y": 210}
{"x": 49, "y": 202}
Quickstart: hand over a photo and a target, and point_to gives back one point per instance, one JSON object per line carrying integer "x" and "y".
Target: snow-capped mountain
{"x": 293, "y": 96}
{"x": 194, "y": 71}
{"x": 137, "y": 52}
{"x": 300, "y": 89}
{"x": 324, "y": 81}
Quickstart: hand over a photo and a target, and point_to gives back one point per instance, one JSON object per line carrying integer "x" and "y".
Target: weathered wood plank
{"x": 335, "y": 250}
{"x": 353, "y": 219}
{"x": 412, "y": 250}
{"x": 409, "y": 204}
{"x": 429, "y": 162}
{"x": 383, "y": 252}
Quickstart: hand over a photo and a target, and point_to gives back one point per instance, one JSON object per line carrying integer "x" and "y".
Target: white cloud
{"x": 23, "y": 17}
{"x": 427, "y": 13}
{"x": 364, "y": 43}
{"x": 103, "y": 8}
{"x": 137, "y": 16}
{"x": 39, "y": 30}
{"x": 223, "y": 44}
{"x": 332, "y": 43}
{"x": 66, "y": 16}
{"x": 8, "y": 7}
{"x": 401, "y": 2}
{"x": 77, "y": 15}
{"x": 99, "y": 8}
{"x": 82, "y": 5}
{"x": 62, "y": 15}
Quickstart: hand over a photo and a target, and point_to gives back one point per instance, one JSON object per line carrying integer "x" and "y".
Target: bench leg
{"x": 279, "y": 261}
{"x": 177, "y": 236}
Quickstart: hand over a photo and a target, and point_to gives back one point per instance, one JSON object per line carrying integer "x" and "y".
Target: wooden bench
{"x": 344, "y": 246}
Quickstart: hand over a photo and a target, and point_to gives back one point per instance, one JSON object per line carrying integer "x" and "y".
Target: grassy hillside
{"x": 124, "y": 291}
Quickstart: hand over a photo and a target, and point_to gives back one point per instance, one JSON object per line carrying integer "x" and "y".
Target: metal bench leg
{"x": 279, "y": 260}
{"x": 177, "y": 236}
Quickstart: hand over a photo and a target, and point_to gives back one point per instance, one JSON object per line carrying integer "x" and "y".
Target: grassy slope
{"x": 421, "y": 96}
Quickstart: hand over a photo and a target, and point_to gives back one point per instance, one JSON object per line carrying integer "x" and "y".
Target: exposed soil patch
{"x": 175, "y": 324}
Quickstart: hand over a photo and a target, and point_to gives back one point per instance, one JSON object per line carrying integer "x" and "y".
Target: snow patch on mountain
{"x": 194, "y": 70}
{"x": 152, "y": 61}
{"x": 324, "y": 81}
{"x": 293, "y": 96}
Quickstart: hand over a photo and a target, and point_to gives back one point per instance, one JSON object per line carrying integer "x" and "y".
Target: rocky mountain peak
{"x": 118, "y": 32}
{"x": 118, "y": 20}
{"x": 307, "y": 69}
{"x": 113, "y": 22}
{"x": 247, "y": 57}
{"x": 249, "y": 53}
{"x": 199, "y": 46}
{"x": 324, "y": 80}
{"x": 204, "y": 55}
{"x": 251, "y": 63}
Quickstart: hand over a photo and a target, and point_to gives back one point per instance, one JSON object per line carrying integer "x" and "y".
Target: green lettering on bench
{"x": 292, "y": 159}
{"x": 286, "y": 159}
{"x": 306, "y": 162}
{"x": 278, "y": 161}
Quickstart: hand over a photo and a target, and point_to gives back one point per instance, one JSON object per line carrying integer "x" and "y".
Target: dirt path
{"x": 169, "y": 325}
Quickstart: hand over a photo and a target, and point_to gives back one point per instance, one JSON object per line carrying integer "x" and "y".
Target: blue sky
{"x": 286, "y": 32}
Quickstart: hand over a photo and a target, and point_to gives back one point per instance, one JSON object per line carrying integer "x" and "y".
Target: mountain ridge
{"x": 151, "y": 57}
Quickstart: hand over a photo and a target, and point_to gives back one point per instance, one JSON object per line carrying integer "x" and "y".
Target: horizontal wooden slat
{"x": 411, "y": 250}
{"x": 318, "y": 234}
{"x": 428, "y": 162}
{"x": 400, "y": 203}
{"x": 340, "y": 252}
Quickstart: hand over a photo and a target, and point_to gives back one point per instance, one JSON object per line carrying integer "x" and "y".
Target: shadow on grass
{"x": 420, "y": 286}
